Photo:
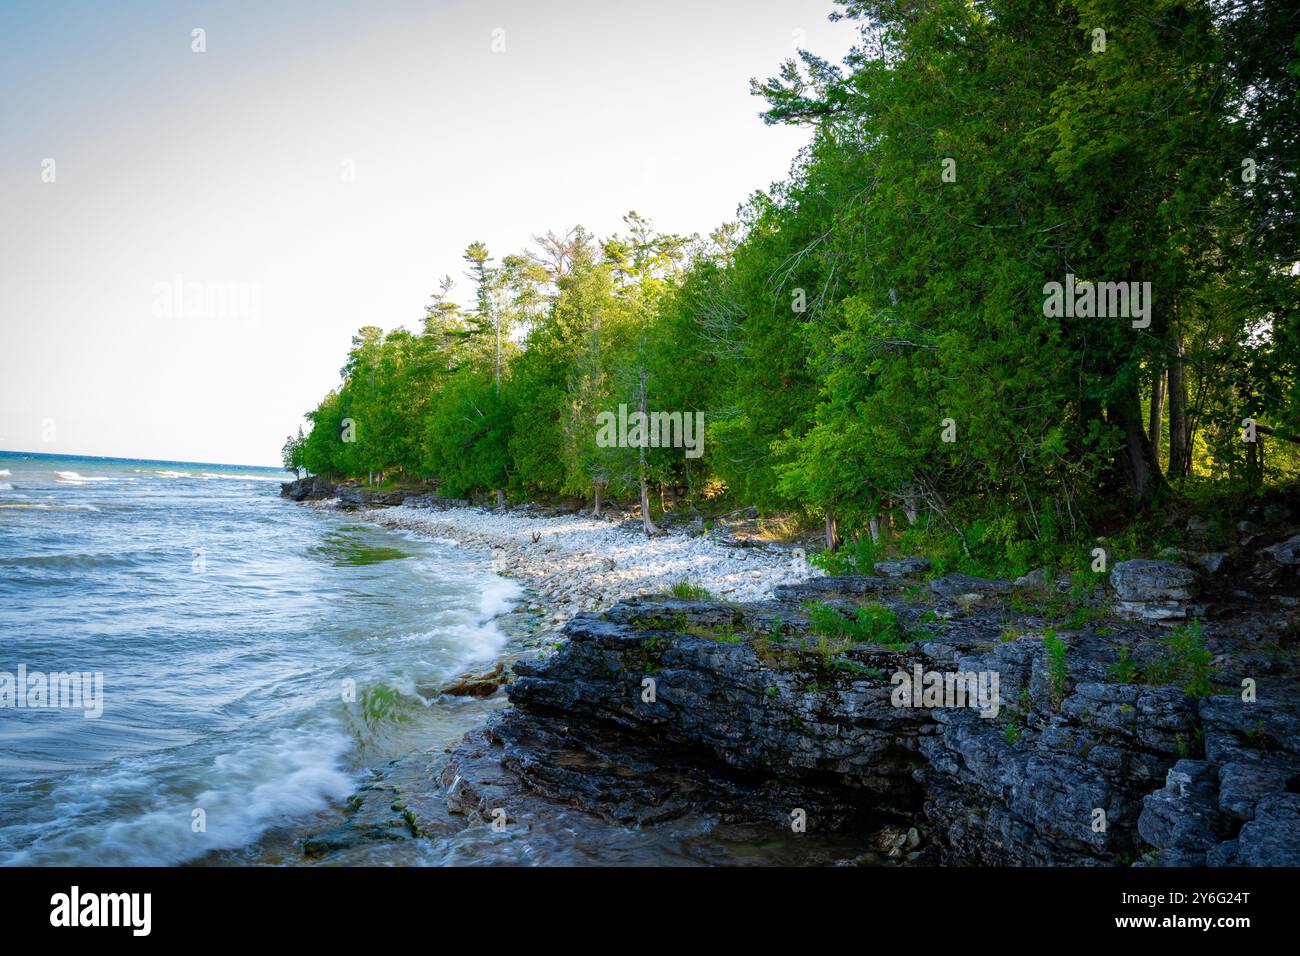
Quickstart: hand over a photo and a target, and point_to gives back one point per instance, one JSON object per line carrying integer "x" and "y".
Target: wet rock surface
{"x": 313, "y": 488}
{"x": 663, "y": 730}
{"x": 671, "y": 718}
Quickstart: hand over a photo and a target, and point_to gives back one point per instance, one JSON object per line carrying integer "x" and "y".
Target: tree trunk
{"x": 1155, "y": 427}
{"x": 501, "y": 498}
{"x": 1135, "y": 462}
{"x": 832, "y": 532}
{"x": 1180, "y": 454}
{"x": 595, "y": 493}
{"x": 650, "y": 527}
{"x": 873, "y": 525}
{"x": 909, "y": 507}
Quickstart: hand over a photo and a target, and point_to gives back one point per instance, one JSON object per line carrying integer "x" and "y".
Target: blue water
{"x": 226, "y": 623}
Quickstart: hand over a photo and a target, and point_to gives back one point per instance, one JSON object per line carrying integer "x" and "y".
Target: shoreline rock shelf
{"x": 1089, "y": 777}
{"x": 653, "y": 711}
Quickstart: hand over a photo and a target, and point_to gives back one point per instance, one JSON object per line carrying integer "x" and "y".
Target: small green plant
{"x": 1123, "y": 670}
{"x": 1012, "y": 732}
{"x": 651, "y": 649}
{"x": 872, "y": 624}
{"x": 1187, "y": 660}
{"x": 846, "y": 664}
{"x": 777, "y": 628}
{"x": 1057, "y": 670}
{"x": 1257, "y": 735}
{"x": 684, "y": 589}
{"x": 727, "y": 633}
{"x": 1010, "y": 633}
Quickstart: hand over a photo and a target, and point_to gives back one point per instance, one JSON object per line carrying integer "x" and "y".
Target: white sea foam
{"x": 5, "y": 486}
{"x": 72, "y": 478}
{"x": 42, "y": 506}
{"x": 4, "y": 472}
{"x": 290, "y": 774}
{"x": 499, "y": 596}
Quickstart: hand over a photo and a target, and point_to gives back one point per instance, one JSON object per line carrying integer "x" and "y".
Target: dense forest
{"x": 1034, "y": 277}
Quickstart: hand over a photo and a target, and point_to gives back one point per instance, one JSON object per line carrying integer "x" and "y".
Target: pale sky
{"x": 319, "y": 168}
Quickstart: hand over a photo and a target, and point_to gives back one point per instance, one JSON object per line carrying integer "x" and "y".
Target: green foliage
{"x": 1123, "y": 670}
{"x": 292, "y": 453}
{"x": 857, "y": 557}
{"x": 684, "y": 589}
{"x": 871, "y": 624}
{"x": 1057, "y": 669}
{"x": 1187, "y": 660}
{"x": 962, "y": 158}
{"x": 467, "y": 435}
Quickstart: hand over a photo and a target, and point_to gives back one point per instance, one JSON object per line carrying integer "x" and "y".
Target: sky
{"x": 189, "y": 239}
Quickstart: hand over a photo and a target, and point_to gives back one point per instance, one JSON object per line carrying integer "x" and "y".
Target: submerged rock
{"x": 478, "y": 685}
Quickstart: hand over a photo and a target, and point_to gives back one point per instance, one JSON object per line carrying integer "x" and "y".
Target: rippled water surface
{"x": 228, "y": 626}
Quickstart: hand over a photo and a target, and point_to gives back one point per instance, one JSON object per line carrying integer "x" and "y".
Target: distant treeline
{"x": 880, "y": 331}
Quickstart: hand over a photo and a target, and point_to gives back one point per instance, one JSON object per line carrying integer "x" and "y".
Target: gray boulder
{"x": 1285, "y": 552}
{"x": 1184, "y": 816}
{"x": 1153, "y": 590}
{"x": 902, "y": 567}
{"x": 1146, "y": 580}
{"x": 956, "y": 585}
{"x": 1036, "y": 578}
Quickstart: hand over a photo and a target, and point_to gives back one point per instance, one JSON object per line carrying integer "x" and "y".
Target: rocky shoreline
{"x": 1152, "y": 720}
{"x": 573, "y": 562}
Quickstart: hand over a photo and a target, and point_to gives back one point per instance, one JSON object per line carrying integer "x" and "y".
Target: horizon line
{"x": 160, "y": 461}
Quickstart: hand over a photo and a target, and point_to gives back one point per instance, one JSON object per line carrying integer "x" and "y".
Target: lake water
{"x": 229, "y": 627}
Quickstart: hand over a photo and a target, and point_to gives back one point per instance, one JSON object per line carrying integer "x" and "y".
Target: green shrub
{"x": 1123, "y": 670}
{"x": 1057, "y": 671}
{"x": 871, "y": 624}
{"x": 684, "y": 589}
{"x": 1188, "y": 661}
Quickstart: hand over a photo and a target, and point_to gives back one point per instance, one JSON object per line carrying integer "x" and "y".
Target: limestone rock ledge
{"x": 661, "y": 710}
